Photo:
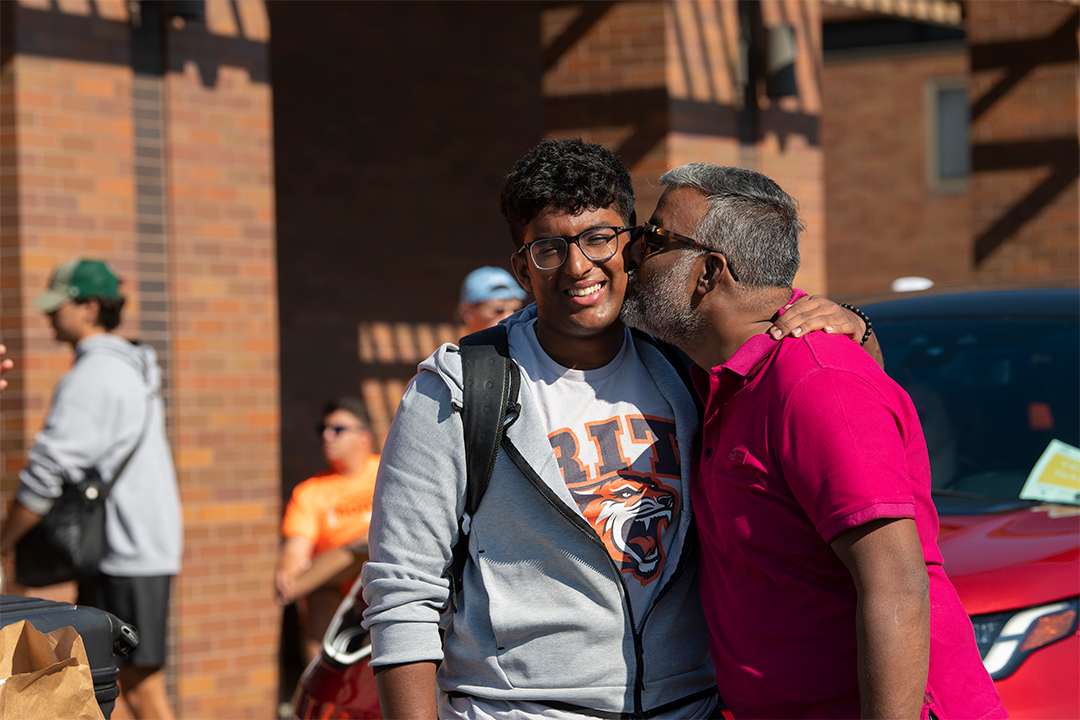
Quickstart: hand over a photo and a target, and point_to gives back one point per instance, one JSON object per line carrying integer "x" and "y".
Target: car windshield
{"x": 991, "y": 394}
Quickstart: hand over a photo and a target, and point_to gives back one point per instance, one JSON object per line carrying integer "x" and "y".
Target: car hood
{"x": 1015, "y": 559}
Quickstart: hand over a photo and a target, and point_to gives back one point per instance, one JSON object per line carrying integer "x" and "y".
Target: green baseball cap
{"x": 78, "y": 278}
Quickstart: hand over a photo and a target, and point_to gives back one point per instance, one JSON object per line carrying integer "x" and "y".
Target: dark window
{"x": 953, "y": 148}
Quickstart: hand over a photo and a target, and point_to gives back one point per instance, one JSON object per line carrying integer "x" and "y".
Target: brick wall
{"x": 1026, "y": 157}
{"x": 161, "y": 164}
{"x": 789, "y": 147}
{"x": 658, "y": 83}
{"x": 1017, "y": 218}
{"x": 647, "y": 79}
{"x": 884, "y": 219}
{"x": 388, "y": 181}
{"x": 225, "y": 334}
{"x": 604, "y": 81}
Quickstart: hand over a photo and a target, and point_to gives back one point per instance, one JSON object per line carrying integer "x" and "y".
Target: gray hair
{"x": 750, "y": 219}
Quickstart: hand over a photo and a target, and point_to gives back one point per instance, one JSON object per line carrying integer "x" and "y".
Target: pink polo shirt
{"x": 804, "y": 439}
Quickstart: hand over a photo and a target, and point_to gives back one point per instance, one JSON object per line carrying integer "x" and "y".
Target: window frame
{"x": 935, "y": 182}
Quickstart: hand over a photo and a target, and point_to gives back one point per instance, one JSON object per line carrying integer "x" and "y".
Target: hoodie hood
{"x": 142, "y": 358}
{"x": 446, "y": 361}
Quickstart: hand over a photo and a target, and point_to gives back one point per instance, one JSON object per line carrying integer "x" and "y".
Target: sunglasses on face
{"x": 321, "y": 428}
{"x": 654, "y": 239}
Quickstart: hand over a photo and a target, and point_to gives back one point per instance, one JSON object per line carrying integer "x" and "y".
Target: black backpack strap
{"x": 491, "y": 383}
{"x": 108, "y": 486}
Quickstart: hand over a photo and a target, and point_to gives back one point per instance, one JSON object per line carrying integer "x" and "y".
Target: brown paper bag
{"x": 45, "y": 677}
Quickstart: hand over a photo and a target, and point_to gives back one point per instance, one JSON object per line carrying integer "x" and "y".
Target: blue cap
{"x": 490, "y": 283}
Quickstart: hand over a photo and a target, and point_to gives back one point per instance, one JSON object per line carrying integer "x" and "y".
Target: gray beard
{"x": 654, "y": 306}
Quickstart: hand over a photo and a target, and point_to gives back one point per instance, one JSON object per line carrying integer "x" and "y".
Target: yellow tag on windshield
{"x": 1056, "y": 477}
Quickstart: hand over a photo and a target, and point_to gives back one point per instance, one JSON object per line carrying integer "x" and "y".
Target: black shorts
{"x": 141, "y": 601}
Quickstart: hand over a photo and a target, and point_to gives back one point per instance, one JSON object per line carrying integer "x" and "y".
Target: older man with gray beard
{"x": 820, "y": 575}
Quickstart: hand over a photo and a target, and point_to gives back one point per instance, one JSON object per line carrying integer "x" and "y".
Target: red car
{"x": 1015, "y": 571}
{"x": 995, "y": 376}
{"x": 339, "y": 684}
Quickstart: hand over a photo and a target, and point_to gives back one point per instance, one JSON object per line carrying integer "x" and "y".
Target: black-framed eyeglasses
{"x": 597, "y": 244}
{"x": 338, "y": 429}
{"x": 654, "y": 239}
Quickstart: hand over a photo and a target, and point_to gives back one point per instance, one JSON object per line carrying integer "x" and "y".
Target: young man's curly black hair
{"x": 569, "y": 175}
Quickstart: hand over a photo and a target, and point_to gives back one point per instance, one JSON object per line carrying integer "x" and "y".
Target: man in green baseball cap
{"x": 107, "y": 416}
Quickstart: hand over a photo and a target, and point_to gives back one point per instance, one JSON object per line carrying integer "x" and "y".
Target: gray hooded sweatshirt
{"x": 97, "y": 415}
{"x": 543, "y": 615}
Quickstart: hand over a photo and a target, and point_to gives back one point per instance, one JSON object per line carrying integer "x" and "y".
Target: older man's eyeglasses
{"x": 654, "y": 239}
{"x": 597, "y": 244}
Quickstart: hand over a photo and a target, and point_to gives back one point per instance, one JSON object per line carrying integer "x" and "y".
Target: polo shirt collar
{"x": 745, "y": 363}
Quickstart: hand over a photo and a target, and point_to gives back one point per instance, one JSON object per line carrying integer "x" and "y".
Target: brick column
{"x": 660, "y": 84}
{"x": 224, "y": 330}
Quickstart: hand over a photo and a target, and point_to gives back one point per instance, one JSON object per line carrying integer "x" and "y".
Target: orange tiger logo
{"x": 630, "y": 512}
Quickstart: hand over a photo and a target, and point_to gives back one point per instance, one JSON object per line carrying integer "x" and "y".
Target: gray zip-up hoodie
{"x": 97, "y": 415}
{"x": 544, "y": 615}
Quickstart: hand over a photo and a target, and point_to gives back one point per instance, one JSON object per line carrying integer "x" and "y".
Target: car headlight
{"x": 1006, "y": 639}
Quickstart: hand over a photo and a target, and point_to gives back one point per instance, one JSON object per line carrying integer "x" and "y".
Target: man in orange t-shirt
{"x": 328, "y": 511}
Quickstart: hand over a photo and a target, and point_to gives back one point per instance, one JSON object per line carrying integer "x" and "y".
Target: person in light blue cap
{"x": 488, "y": 295}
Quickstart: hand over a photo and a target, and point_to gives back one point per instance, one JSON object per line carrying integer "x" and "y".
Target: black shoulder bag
{"x": 69, "y": 542}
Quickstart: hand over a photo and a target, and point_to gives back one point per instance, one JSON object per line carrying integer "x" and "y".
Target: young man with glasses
{"x": 579, "y": 594}
{"x": 327, "y": 518}
{"x": 820, "y": 573}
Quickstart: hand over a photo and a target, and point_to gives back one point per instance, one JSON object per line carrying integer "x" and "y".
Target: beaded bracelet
{"x": 864, "y": 317}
